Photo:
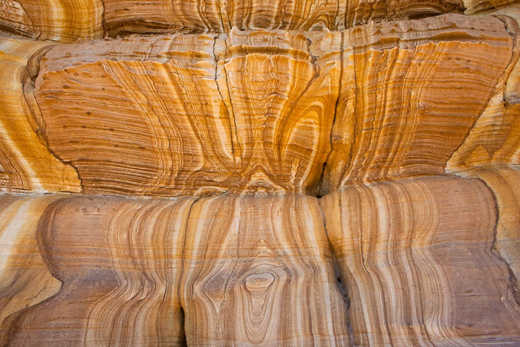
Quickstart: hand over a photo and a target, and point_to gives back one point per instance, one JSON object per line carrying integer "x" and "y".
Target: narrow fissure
{"x": 320, "y": 190}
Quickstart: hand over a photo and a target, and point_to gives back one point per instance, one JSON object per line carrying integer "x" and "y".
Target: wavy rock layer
{"x": 25, "y": 161}
{"x": 25, "y": 279}
{"x": 418, "y": 261}
{"x": 424, "y": 262}
{"x": 211, "y": 271}
{"x": 221, "y": 16}
{"x": 505, "y": 183}
{"x": 238, "y": 112}
{"x": 272, "y": 111}
{"x": 89, "y": 19}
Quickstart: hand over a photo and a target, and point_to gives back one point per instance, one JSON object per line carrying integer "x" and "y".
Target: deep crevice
{"x": 319, "y": 191}
{"x": 182, "y": 266}
{"x": 339, "y": 280}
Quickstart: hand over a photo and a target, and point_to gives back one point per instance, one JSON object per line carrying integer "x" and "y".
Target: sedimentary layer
{"x": 89, "y": 19}
{"x": 209, "y": 271}
{"x": 296, "y": 173}
{"x": 422, "y": 261}
{"x": 250, "y": 111}
{"x": 418, "y": 260}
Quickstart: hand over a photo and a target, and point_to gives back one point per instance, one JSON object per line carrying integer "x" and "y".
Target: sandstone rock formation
{"x": 276, "y": 173}
{"x": 421, "y": 274}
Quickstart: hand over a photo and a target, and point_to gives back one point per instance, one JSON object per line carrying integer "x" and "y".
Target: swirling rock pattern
{"x": 199, "y": 115}
{"x": 424, "y": 261}
{"x": 278, "y": 277}
{"x": 423, "y": 273}
{"x": 274, "y": 111}
{"x": 157, "y": 272}
{"x": 89, "y": 19}
{"x": 25, "y": 162}
{"x": 504, "y": 182}
{"x": 273, "y": 173}
{"x": 400, "y": 116}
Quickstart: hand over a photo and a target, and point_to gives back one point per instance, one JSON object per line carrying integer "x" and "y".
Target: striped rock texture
{"x": 271, "y": 111}
{"x": 70, "y": 20}
{"x": 211, "y": 271}
{"x": 422, "y": 274}
{"x": 273, "y": 173}
{"x": 420, "y": 261}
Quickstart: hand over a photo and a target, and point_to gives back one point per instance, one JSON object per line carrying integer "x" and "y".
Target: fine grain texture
{"x": 25, "y": 162}
{"x": 418, "y": 261}
{"x": 272, "y": 111}
{"x": 69, "y": 20}
{"x": 259, "y": 173}
{"x": 505, "y": 184}
{"x": 211, "y": 271}
{"x": 411, "y": 91}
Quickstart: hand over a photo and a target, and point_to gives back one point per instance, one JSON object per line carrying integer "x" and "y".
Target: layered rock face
{"x": 275, "y": 173}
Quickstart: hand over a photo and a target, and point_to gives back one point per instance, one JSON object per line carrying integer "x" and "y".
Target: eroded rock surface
{"x": 266, "y": 111}
{"x": 229, "y": 173}
{"x": 208, "y": 271}
{"x": 418, "y": 259}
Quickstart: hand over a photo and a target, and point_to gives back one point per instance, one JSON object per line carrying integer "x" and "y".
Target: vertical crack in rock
{"x": 339, "y": 281}
{"x": 319, "y": 189}
{"x": 234, "y": 130}
{"x": 343, "y": 289}
{"x": 182, "y": 267}
{"x": 103, "y": 20}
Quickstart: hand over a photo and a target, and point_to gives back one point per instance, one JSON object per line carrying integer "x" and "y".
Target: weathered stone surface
{"x": 267, "y": 110}
{"x": 25, "y": 161}
{"x": 89, "y": 19}
{"x": 211, "y": 271}
{"x": 416, "y": 257}
{"x": 230, "y": 173}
